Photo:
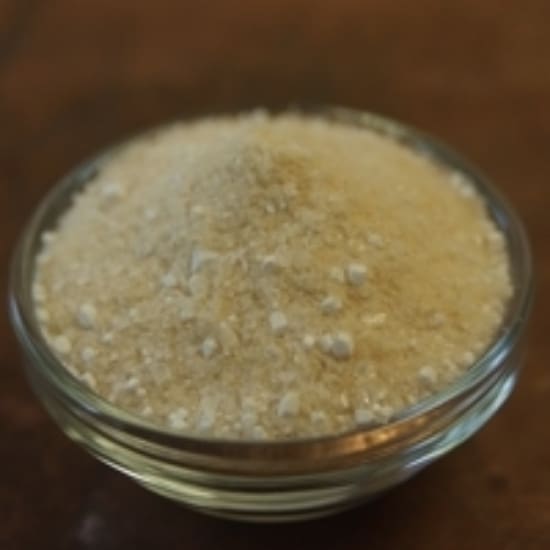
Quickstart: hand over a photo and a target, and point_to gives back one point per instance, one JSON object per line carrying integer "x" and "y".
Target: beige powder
{"x": 271, "y": 277}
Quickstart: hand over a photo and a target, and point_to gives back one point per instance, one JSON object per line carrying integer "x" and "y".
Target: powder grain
{"x": 271, "y": 277}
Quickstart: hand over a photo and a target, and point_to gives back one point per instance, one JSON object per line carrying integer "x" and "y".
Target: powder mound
{"x": 268, "y": 277}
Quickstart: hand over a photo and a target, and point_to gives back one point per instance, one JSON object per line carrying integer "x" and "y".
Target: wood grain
{"x": 75, "y": 76}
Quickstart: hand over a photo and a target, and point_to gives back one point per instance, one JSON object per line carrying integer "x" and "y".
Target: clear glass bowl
{"x": 284, "y": 480}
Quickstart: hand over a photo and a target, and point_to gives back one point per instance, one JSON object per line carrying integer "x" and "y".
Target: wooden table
{"x": 77, "y": 75}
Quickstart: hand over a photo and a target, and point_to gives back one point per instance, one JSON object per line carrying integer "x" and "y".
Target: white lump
{"x": 112, "y": 191}
{"x": 208, "y": 347}
{"x": 62, "y": 344}
{"x": 168, "y": 280}
{"x": 88, "y": 354}
{"x": 342, "y": 345}
{"x": 86, "y": 316}
{"x": 364, "y": 416}
{"x": 289, "y": 405}
{"x": 331, "y": 304}
{"x": 177, "y": 419}
{"x": 427, "y": 375}
{"x": 278, "y": 322}
{"x": 356, "y": 274}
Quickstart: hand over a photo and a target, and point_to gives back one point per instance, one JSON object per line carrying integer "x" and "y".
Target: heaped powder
{"x": 271, "y": 277}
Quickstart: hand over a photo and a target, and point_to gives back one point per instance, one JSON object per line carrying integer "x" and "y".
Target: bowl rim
{"x": 358, "y": 439}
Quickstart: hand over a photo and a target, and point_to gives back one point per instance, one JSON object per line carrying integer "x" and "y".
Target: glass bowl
{"x": 280, "y": 480}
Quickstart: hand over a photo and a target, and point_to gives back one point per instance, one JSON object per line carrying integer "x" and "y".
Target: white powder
{"x": 233, "y": 277}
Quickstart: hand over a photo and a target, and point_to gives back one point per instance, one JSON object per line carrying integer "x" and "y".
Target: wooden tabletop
{"x": 75, "y": 76}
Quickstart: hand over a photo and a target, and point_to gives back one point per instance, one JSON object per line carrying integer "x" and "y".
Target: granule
{"x": 363, "y": 416}
{"x": 427, "y": 375}
{"x": 376, "y": 240}
{"x": 88, "y": 354}
{"x": 61, "y": 344}
{"x": 341, "y": 345}
{"x": 177, "y": 419}
{"x": 325, "y": 342}
{"x": 270, "y": 264}
{"x": 308, "y": 340}
{"x": 258, "y": 432}
{"x": 38, "y": 293}
{"x": 331, "y": 304}
{"x": 318, "y": 417}
{"x": 86, "y": 316}
{"x": 111, "y": 192}
{"x": 278, "y": 322}
{"x": 337, "y": 274}
{"x": 89, "y": 379}
{"x": 42, "y": 315}
{"x": 186, "y": 311}
{"x": 289, "y": 405}
{"x": 209, "y": 347}
{"x": 374, "y": 320}
{"x": 356, "y": 274}
{"x": 168, "y": 280}
{"x": 268, "y": 277}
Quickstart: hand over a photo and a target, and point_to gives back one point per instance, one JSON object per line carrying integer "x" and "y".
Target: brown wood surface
{"x": 75, "y": 75}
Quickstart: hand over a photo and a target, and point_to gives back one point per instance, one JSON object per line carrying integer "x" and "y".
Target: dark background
{"x": 78, "y": 74}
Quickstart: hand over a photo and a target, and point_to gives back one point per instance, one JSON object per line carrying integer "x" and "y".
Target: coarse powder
{"x": 270, "y": 277}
